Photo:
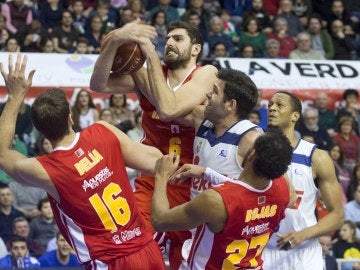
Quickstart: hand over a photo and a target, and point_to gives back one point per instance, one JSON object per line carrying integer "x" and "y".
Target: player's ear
{"x": 295, "y": 116}
{"x": 196, "y": 48}
{"x": 70, "y": 120}
{"x": 232, "y": 105}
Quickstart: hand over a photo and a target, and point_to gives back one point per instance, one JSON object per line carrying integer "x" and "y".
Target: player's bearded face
{"x": 175, "y": 59}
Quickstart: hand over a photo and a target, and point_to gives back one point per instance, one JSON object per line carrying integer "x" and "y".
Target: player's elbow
{"x": 157, "y": 222}
{"x": 340, "y": 217}
{"x": 96, "y": 86}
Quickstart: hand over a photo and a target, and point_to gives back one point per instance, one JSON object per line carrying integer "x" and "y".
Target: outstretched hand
{"x": 16, "y": 82}
{"x": 167, "y": 165}
{"x": 187, "y": 170}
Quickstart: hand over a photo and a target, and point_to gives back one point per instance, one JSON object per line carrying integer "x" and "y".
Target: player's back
{"x": 96, "y": 213}
{"x": 253, "y": 216}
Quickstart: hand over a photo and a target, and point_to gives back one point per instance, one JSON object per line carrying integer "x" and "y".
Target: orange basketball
{"x": 128, "y": 57}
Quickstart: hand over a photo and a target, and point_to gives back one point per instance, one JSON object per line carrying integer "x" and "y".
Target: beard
{"x": 179, "y": 62}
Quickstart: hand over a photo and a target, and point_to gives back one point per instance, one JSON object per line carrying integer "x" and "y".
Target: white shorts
{"x": 304, "y": 258}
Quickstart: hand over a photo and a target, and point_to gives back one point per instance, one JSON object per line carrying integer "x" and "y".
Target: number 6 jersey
{"x": 96, "y": 213}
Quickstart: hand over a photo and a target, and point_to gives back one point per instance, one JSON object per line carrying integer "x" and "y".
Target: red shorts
{"x": 148, "y": 257}
{"x": 177, "y": 194}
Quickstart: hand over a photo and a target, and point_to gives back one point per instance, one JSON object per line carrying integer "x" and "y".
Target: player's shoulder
{"x": 207, "y": 69}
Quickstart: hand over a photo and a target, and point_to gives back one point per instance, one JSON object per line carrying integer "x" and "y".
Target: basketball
{"x": 128, "y": 57}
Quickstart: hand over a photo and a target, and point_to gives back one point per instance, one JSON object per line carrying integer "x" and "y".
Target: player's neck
{"x": 66, "y": 141}
{"x": 223, "y": 125}
{"x": 249, "y": 177}
{"x": 290, "y": 134}
{"x": 176, "y": 76}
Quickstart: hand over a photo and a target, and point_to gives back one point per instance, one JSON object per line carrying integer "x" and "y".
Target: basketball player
{"x": 235, "y": 219}
{"x": 311, "y": 171}
{"x": 85, "y": 178}
{"x": 178, "y": 87}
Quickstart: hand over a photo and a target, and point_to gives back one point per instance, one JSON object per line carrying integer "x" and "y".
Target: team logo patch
{"x": 79, "y": 152}
{"x": 298, "y": 172}
{"x": 175, "y": 129}
{"x": 223, "y": 153}
{"x": 261, "y": 199}
{"x": 198, "y": 147}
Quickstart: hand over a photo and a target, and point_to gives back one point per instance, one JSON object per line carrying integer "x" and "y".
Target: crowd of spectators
{"x": 295, "y": 29}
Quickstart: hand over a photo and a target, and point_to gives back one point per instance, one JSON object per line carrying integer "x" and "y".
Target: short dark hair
{"x": 295, "y": 102}
{"x": 240, "y": 87}
{"x": 50, "y": 114}
{"x": 349, "y": 92}
{"x": 42, "y": 202}
{"x": 273, "y": 154}
{"x": 194, "y": 33}
{"x": 111, "y": 99}
{"x": 19, "y": 219}
{"x": 17, "y": 238}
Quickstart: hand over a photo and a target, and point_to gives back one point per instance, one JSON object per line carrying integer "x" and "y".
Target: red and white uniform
{"x": 167, "y": 137}
{"x": 253, "y": 216}
{"x": 96, "y": 213}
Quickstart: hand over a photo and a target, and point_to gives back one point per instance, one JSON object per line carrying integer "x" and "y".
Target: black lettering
{"x": 325, "y": 69}
{"x": 347, "y": 71}
{"x": 286, "y": 70}
{"x": 256, "y": 67}
{"x": 303, "y": 67}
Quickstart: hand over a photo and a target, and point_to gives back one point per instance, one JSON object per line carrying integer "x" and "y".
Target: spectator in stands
{"x": 94, "y": 34}
{"x": 84, "y": 113}
{"x": 51, "y": 14}
{"x": 43, "y": 146}
{"x": 303, "y": 10}
{"x": 354, "y": 182}
{"x": 251, "y": 35}
{"x": 64, "y": 35}
{"x": 349, "y": 141}
{"x": 4, "y": 36}
{"x": 123, "y": 117}
{"x": 338, "y": 12}
{"x": 285, "y": 11}
{"x": 229, "y": 27}
{"x": 43, "y": 228}
{"x": 7, "y": 212}
{"x": 320, "y": 38}
{"x": 327, "y": 119}
{"x": 89, "y": 7}
{"x": 237, "y": 9}
{"x": 350, "y": 97}
{"x": 326, "y": 245}
{"x": 254, "y": 117}
{"x": 107, "y": 115}
{"x": 79, "y": 20}
{"x": 342, "y": 42}
{"x": 82, "y": 46}
{"x": 47, "y": 45}
{"x": 159, "y": 21}
{"x": 337, "y": 155}
{"x": 257, "y": 11}
{"x": 213, "y": 7}
{"x": 219, "y": 50}
{"x": 287, "y": 42}
{"x": 272, "y": 49}
{"x": 17, "y": 15}
{"x": 172, "y": 14}
{"x": 352, "y": 210}
{"x": 198, "y": 7}
{"x": 247, "y": 51}
{"x": 126, "y": 16}
{"x": 26, "y": 198}
{"x": 31, "y": 37}
{"x": 137, "y": 8}
{"x": 304, "y": 50}
{"x": 137, "y": 132}
{"x": 348, "y": 245}
{"x": 322, "y": 7}
{"x": 310, "y": 128}
{"x": 61, "y": 257}
{"x": 11, "y": 45}
{"x": 19, "y": 255}
{"x": 216, "y": 35}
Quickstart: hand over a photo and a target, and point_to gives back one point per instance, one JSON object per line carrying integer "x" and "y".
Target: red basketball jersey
{"x": 253, "y": 216}
{"x": 167, "y": 136}
{"x": 96, "y": 213}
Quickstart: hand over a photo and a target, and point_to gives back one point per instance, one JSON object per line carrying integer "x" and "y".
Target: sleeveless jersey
{"x": 218, "y": 153}
{"x": 253, "y": 216}
{"x": 167, "y": 136}
{"x": 97, "y": 213}
{"x": 86, "y": 119}
{"x": 302, "y": 214}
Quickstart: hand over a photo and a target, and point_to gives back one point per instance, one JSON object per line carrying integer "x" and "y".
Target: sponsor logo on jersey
{"x": 88, "y": 162}
{"x": 223, "y": 153}
{"x": 175, "y": 129}
{"x": 198, "y": 147}
{"x": 257, "y": 229}
{"x": 99, "y": 178}
{"x": 298, "y": 172}
{"x": 259, "y": 213}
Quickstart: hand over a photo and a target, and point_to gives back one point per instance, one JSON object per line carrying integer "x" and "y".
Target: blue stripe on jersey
{"x": 227, "y": 137}
{"x": 301, "y": 159}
